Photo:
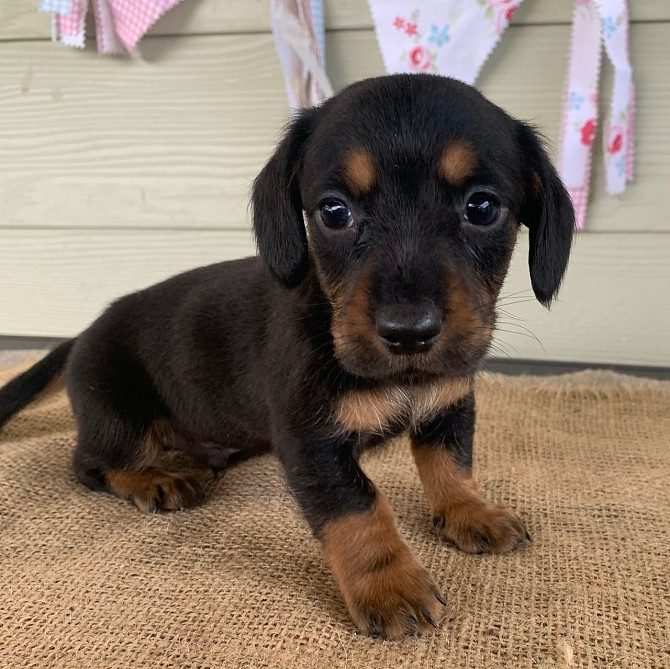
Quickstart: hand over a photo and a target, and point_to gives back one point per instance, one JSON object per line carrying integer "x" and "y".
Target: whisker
{"x": 505, "y": 343}
{"x": 518, "y": 292}
{"x": 522, "y": 334}
{"x": 523, "y": 327}
{"x": 507, "y": 314}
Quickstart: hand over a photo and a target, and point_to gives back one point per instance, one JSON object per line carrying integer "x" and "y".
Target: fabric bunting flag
{"x": 449, "y": 37}
{"x": 119, "y": 24}
{"x": 300, "y": 40}
{"x": 597, "y": 22}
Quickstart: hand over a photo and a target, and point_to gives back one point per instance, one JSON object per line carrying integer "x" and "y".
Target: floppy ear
{"x": 547, "y": 212}
{"x": 277, "y": 207}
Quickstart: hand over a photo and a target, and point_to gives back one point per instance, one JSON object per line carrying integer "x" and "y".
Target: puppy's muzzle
{"x": 406, "y": 329}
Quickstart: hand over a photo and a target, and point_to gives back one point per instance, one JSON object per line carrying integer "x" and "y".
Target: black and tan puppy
{"x": 385, "y": 222}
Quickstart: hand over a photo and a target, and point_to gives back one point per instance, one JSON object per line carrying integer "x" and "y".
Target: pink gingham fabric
{"x": 105, "y": 34}
{"x": 132, "y": 18}
{"x": 70, "y": 24}
{"x": 120, "y": 24}
{"x": 70, "y": 28}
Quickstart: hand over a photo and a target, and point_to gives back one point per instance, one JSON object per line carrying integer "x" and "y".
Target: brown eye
{"x": 335, "y": 215}
{"x": 482, "y": 209}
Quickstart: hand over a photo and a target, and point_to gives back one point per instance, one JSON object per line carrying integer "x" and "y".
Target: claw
{"x": 440, "y": 599}
{"x": 374, "y": 628}
{"x": 430, "y": 621}
{"x": 483, "y": 545}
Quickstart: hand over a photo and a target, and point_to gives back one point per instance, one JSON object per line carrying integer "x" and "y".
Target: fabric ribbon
{"x": 452, "y": 37}
{"x": 596, "y": 22}
{"x": 120, "y": 24}
{"x": 300, "y": 40}
{"x": 68, "y": 24}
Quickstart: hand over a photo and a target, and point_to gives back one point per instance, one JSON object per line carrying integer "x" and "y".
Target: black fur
{"x": 21, "y": 391}
{"x": 549, "y": 215}
{"x": 452, "y": 429}
{"x": 259, "y": 353}
{"x": 276, "y": 197}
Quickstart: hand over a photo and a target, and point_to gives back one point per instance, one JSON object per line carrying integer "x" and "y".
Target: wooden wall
{"x": 117, "y": 173}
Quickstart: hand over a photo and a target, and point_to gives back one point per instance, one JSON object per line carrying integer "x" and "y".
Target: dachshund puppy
{"x": 385, "y": 223}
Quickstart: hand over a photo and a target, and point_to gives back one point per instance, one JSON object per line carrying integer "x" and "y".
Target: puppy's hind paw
{"x": 153, "y": 489}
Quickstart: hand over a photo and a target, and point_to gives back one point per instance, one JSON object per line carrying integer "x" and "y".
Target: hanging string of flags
{"x": 449, "y": 37}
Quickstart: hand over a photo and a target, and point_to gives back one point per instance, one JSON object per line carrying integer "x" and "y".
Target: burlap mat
{"x": 87, "y": 581}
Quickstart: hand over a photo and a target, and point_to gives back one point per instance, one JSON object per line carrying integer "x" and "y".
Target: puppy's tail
{"x": 22, "y": 390}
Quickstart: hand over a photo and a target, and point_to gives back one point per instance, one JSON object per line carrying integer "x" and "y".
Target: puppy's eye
{"x": 335, "y": 215}
{"x": 482, "y": 209}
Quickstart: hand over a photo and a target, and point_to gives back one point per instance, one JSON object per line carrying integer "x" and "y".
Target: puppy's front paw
{"x": 393, "y": 599}
{"x": 386, "y": 589}
{"x": 477, "y": 527}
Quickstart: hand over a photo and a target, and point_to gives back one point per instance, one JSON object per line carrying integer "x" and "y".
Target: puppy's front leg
{"x": 442, "y": 449}
{"x": 386, "y": 589}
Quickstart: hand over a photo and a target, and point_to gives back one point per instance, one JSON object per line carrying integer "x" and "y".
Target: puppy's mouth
{"x": 367, "y": 357}
{"x": 414, "y": 376}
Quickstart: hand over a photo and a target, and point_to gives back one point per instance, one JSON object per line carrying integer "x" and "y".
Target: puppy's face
{"x": 412, "y": 189}
{"x": 411, "y": 208}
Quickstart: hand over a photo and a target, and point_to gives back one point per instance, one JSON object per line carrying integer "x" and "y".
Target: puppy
{"x": 385, "y": 223}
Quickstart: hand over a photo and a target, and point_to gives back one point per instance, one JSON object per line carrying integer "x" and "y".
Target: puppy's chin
{"x": 369, "y": 362}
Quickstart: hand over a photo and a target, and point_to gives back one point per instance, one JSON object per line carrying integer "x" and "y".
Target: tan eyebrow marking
{"x": 360, "y": 172}
{"x": 457, "y": 162}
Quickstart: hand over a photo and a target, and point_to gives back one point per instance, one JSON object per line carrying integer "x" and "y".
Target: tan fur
{"x": 374, "y": 409}
{"x": 153, "y": 489}
{"x": 460, "y": 513}
{"x": 462, "y": 319}
{"x": 359, "y": 171}
{"x": 159, "y": 435}
{"x": 457, "y": 163}
{"x": 378, "y": 574}
{"x": 444, "y": 482}
{"x": 351, "y": 321}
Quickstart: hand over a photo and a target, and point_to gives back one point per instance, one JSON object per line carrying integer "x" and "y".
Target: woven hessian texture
{"x": 88, "y": 581}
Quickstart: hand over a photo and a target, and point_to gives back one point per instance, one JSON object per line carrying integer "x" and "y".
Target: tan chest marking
{"x": 376, "y": 409}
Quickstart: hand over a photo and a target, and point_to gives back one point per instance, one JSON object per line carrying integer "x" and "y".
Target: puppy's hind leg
{"x": 120, "y": 439}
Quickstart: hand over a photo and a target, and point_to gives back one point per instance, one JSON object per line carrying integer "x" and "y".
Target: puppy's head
{"x": 412, "y": 188}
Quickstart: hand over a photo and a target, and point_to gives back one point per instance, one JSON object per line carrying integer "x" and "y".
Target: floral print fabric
{"x": 597, "y": 22}
{"x": 450, "y": 37}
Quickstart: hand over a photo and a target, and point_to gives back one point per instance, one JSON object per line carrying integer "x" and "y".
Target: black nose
{"x": 408, "y": 328}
